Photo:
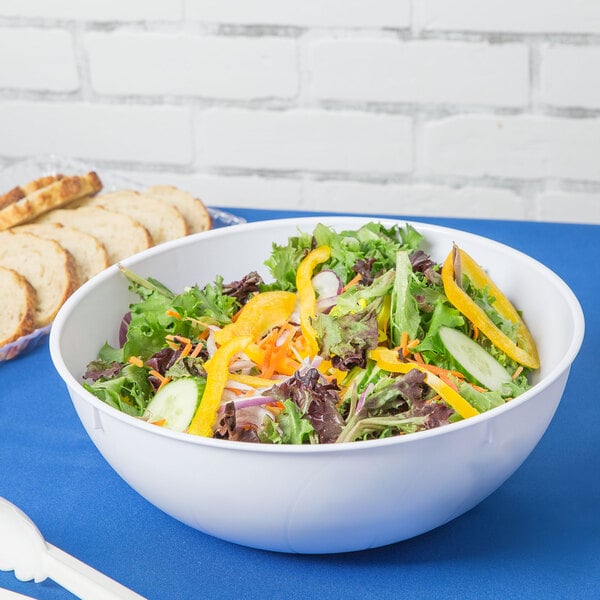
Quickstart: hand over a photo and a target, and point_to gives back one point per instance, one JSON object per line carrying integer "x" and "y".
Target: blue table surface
{"x": 537, "y": 536}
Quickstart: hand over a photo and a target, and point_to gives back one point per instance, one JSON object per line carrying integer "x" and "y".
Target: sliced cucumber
{"x": 176, "y": 403}
{"x": 474, "y": 359}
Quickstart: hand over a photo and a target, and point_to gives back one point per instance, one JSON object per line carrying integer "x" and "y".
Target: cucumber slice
{"x": 474, "y": 359}
{"x": 176, "y": 403}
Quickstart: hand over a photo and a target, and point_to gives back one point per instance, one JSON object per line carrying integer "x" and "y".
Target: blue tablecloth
{"x": 538, "y": 536}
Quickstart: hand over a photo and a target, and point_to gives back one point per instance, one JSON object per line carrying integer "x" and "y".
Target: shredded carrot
{"x": 173, "y": 345}
{"x": 164, "y": 382}
{"x": 275, "y": 407}
{"x": 441, "y": 371}
{"x": 475, "y": 331}
{"x": 160, "y": 422}
{"x": 186, "y": 350}
{"x": 156, "y": 374}
{"x": 238, "y": 392}
{"x": 352, "y": 282}
{"x": 278, "y": 345}
{"x": 404, "y": 343}
{"x": 174, "y": 314}
{"x": 444, "y": 374}
{"x": 448, "y": 382}
{"x": 413, "y": 343}
{"x": 134, "y": 360}
{"x": 196, "y": 351}
{"x": 269, "y": 339}
{"x": 478, "y": 388}
{"x": 517, "y": 372}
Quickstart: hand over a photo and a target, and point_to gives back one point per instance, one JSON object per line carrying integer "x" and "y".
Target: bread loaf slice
{"x": 58, "y": 193}
{"x": 163, "y": 221}
{"x": 121, "y": 235}
{"x": 89, "y": 254}
{"x": 193, "y": 209}
{"x": 18, "y": 301}
{"x": 40, "y": 183}
{"x": 48, "y": 267}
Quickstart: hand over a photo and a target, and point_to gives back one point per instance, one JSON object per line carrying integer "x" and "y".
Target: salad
{"x": 359, "y": 335}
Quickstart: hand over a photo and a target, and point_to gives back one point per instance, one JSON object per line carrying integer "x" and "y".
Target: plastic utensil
{"x": 24, "y": 551}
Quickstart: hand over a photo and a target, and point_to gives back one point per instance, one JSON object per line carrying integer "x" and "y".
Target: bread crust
{"x": 193, "y": 209}
{"x": 18, "y": 318}
{"x": 59, "y": 192}
{"x": 89, "y": 253}
{"x": 48, "y": 267}
{"x": 121, "y": 235}
{"x": 163, "y": 221}
{"x": 11, "y": 196}
{"x": 19, "y": 192}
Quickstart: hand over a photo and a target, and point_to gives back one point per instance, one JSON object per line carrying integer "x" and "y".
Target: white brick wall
{"x": 28, "y": 59}
{"x": 307, "y": 13}
{"x": 409, "y": 107}
{"x": 245, "y": 68}
{"x": 419, "y": 71}
{"x": 304, "y": 140}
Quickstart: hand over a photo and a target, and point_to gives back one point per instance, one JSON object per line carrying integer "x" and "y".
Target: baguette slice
{"x": 18, "y": 301}
{"x": 163, "y": 221}
{"x": 58, "y": 193}
{"x": 89, "y": 254}
{"x": 48, "y": 267}
{"x": 40, "y": 183}
{"x": 19, "y": 192}
{"x": 193, "y": 209}
{"x": 121, "y": 235}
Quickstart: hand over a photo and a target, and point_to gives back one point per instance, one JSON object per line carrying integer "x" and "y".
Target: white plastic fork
{"x": 24, "y": 551}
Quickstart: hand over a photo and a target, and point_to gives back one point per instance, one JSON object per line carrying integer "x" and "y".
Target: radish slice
{"x": 327, "y": 284}
{"x": 324, "y": 305}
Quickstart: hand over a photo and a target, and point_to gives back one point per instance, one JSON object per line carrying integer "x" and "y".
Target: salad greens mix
{"x": 359, "y": 335}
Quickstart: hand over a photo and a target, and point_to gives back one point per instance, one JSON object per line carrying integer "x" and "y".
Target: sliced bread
{"x": 18, "y": 301}
{"x": 121, "y": 235}
{"x": 163, "y": 221}
{"x": 19, "y": 192}
{"x": 58, "y": 193}
{"x": 48, "y": 267}
{"x": 89, "y": 254}
{"x": 193, "y": 209}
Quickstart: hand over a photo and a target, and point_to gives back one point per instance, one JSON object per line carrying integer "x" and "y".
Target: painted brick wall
{"x": 411, "y": 107}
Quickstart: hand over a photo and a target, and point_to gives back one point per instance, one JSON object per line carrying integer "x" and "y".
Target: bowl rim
{"x": 341, "y": 221}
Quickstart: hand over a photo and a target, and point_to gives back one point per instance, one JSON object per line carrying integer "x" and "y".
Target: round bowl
{"x": 323, "y": 498}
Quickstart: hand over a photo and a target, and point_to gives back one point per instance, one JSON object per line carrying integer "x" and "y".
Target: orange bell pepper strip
{"x": 217, "y": 374}
{"x": 307, "y": 296}
{"x": 525, "y": 351}
{"x": 388, "y": 360}
{"x": 260, "y": 314}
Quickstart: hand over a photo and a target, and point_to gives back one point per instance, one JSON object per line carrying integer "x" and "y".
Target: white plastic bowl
{"x": 329, "y": 498}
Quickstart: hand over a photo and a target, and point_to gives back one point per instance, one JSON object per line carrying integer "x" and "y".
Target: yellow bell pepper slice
{"x": 251, "y": 380}
{"x": 217, "y": 371}
{"x": 524, "y": 353}
{"x": 307, "y": 296}
{"x": 260, "y": 314}
{"x": 383, "y": 318}
{"x": 388, "y": 360}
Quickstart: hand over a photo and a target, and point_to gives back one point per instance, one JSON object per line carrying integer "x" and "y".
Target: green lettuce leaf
{"x": 290, "y": 427}
{"x": 405, "y": 313}
{"x": 129, "y": 392}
